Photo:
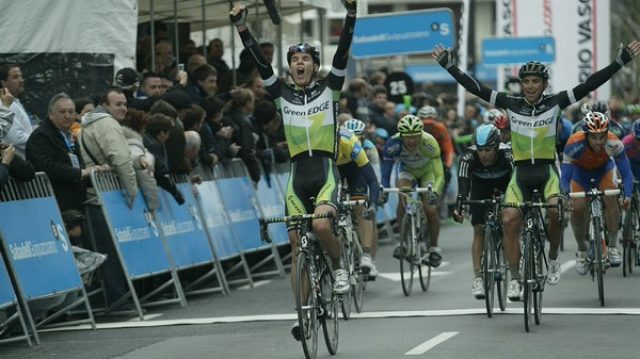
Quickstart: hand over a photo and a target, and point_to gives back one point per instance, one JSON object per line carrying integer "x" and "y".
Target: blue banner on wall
{"x": 183, "y": 229}
{"x": 518, "y": 50}
{"x": 238, "y": 197}
{"x": 395, "y": 34}
{"x": 136, "y": 235}
{"x": 213, "y": 211}
{"x": 37, "y": 245}
{"x": 272, "y": 204}
{"x": 7, "y": 295}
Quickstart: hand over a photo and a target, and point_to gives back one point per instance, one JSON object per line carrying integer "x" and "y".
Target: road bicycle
{"x": 596, "y": 261}
{"x": 534, "y": 264}
{"x": 316, "y": 304}
{"x": 412, "y": 229}
{"x": 631, "y": 233}
{"x": 351, "y": 254}
{"x": 495, "y": 269}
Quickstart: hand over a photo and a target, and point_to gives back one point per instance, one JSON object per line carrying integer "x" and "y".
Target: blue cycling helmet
{"x": 356, "y": 126}
{"x": 382, "y": 133}
{"x": 636, "y": 129}
{"x": 486, "y": 136}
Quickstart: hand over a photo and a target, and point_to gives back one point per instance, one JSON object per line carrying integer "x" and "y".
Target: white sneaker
{"x": 581, "y": 262}
{"x": 614, "y": 257}
{"x": 373, "y": 272}
{"x": 341, "y": 284}
{"x": 366, "y": 263}
{"x": 477, "y": 288}
{"x": 514, "y": 292}
{"x": 554, "y": 271}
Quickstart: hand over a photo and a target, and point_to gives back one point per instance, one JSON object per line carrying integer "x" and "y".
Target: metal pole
{"x": 153, "y": 36}
{"x": 323, "y": 35}
{"x": 462, "y": 52}
{"x": 259, "y": 32}
{"x": 280, "y": 46}
{"x": 176, "y": 37}
{"x": 233, "y": 55}
{"x": 204, "y": 29}
{"x": 301, "y": 22}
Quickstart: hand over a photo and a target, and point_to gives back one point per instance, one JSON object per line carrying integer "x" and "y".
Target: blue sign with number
{"x": 136, "y": 235}
{"x": 183, "y": 230}
{"x": 518, "y": 50}
{"x": 37, "y": 245}
{"x": 395, "y": 34}
{"x": 7, "y": 295}
{"x": 217, "y": 223}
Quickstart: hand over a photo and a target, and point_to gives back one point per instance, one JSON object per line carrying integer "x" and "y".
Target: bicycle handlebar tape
{"x": 273, "y": 11}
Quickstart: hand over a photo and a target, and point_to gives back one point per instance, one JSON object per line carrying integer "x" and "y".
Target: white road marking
{"x": 396, "y": 276}
{"x": 364, "y": 315}
{"x": 426, "y": 346}
{"x": 147, "y": 317}
{"x": 255, "y": 284}
{"x": 567, "y": 265}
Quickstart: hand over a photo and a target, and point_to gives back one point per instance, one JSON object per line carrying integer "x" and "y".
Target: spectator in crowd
{"x": 155, "y": 136}
{"x": 52, "y": 149}
{"x": 216, "y": 51}
{"x": 194, "y": 118}
{"x": 142, "y": 160}
{"x": 377, "y": 78}
{"x": 272, "y": 145}
{"x": 7, "y": 152}
{"x": 83, "y": 106}
{"x": 202, "y": 82}
{"x": 377, "y": 110}
{"x": 181, "y": 101}
{"x": 256, "y": 85}
{"x": 268, "y": 51}
{"x": 187, "y": 49}
{"x": 165, "y": 61}
{"x": 192, "y": 146}
{"x": 193, "y": 62}
{"x": 128, "y": 81}
{"x": 217, "y": 144}
{"x": 241, "y": 108}
{"x": 102, "y": 142}
{"x": 11, "y": 80}
{"x": 360, "y": 89}
{"x": 151, "y": 86}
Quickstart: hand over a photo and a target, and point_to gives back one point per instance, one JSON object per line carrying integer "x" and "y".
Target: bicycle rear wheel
{"x": 407, "y": 263}
{"x": 538, "y": 289}
{"x": 348, "y": 261}
{"x": 329, "y": 303}
{"x": 489, "y": 269}
{"x": 599, "y": 265}
{"x": 358, "y": 281}
{"x": 307, "y": 306}
{"x": 629, "y": 235}
{"x": 502, "y": 274}
{"x": 528, "y": 280}
{"x": 424, "y": 271}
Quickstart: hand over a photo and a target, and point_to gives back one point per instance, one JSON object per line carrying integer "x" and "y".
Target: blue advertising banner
{"x": 7, "y": 295}
{"x": 395, "y": 34}
{"x": 272, "y": 204}
{"x": 436, "y": 74}
{"x": 183, "y": 229}
{"x": 214, "y": 213}
{"x": 518, "y": 50}
{"x": 238, "y": 197}
{"x": 36, "y": 243}
{"x": 136, "y": 235}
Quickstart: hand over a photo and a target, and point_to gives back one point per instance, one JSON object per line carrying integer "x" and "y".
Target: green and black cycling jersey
{"x": 533, "y": 126}
{"x": 309, "y": 114}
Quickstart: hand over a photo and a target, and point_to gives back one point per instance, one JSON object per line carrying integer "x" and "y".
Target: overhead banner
{"x": 581, "y": 29}
{"x": 518, "y": 50}
{"x": 393, "y": 34}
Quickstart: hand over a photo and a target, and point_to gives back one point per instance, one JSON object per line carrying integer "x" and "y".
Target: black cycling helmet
{"x": 306, "y": 48}
{"x": 486, "y": 136}
{"x": 534, "y": 68}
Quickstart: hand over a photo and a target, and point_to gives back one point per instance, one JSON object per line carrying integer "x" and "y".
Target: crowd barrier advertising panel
{"x": 183, "y": 230}
{"x": 136, "y": 234}
{"x": 395, "y": 34}
{"x": 238, "y": 197}
{"x": 7, "y": 295}
{"x": 37, "y": 246}
{"x": 272, "y": 204}
{"x": 213, "y": 211}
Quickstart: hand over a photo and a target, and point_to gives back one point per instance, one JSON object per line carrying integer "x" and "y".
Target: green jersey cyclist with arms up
{"x": 533, "y": 118}
{"x": 309, "y": 113}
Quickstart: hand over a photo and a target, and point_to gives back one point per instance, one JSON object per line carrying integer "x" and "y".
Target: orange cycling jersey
{"x": 578, "y": 152}
{"x": 440, "y": 132}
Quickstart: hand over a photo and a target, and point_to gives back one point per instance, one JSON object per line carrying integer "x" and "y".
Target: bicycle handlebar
{"x": 407, "y": 189}
{"x": 595, "y": 193}
{"x": 353, "y": 202}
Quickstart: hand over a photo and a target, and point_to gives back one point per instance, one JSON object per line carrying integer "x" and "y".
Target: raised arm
{"x": 238, "y": 16}
{"x": 336, "y": 76}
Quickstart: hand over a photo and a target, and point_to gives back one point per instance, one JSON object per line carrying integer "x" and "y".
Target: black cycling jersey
{"x": 471, "y": 170}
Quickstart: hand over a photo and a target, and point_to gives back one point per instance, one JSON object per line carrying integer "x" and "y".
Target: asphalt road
{"x": 445, "y": 322}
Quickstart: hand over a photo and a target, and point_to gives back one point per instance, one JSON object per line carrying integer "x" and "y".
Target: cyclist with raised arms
{"x": 484, "y": 168}
{"x": 595, "y": 153}
{"x": 354, "y": 166}
{"x": 419, "y": 162}
{"x": 533, "y": 117}
{"x": 309, "y": 113}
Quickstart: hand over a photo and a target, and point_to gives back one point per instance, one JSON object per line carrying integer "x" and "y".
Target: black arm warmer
{"x": 342, "y": 53}
{"x": 372, "y": 181}
{"x": 595, "y": 80}
{"x": 463, "y": 187}
{"x": 472, "y": 85}
{"x": 251, "y": 44}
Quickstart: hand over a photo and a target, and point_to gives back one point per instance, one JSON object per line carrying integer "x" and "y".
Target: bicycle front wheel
{"x": 329, "y": 303}
{"x": 629, "y": 235}
{"x": 539, "y": 272}
{"x": 502, "y": 274}
{"x": 489, "y": 269}
{"x": 307, "y": 306}
{"x": 408, "y": 253}
{"x": 424, "y": 271}
{"x": 528, "y": 280}
{"x": 598, "y": 243}
{"x": 348, "y": 261}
